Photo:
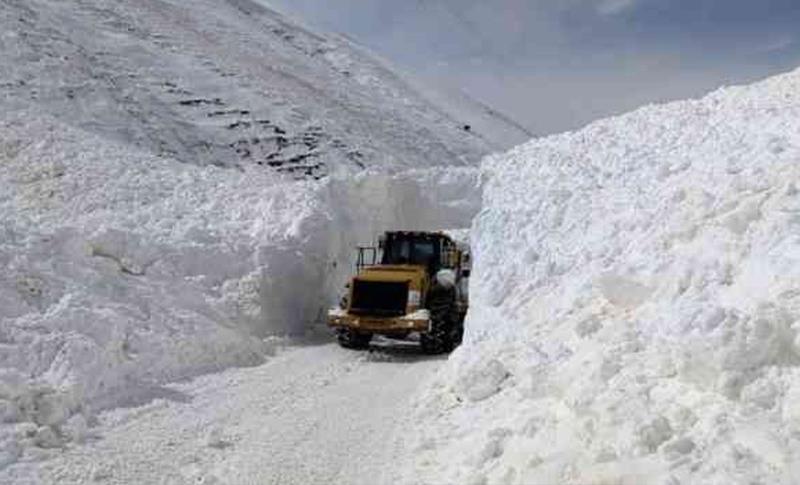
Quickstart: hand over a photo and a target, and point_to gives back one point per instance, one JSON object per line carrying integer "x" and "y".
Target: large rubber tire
{"x": 446, "y": 326}
{"x": 353, "y": 340}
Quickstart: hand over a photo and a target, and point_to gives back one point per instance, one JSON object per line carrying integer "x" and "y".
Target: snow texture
{"x": 289, "y": 421}
{"x": 635, "y": 305}
{"x": 178, "y": 183}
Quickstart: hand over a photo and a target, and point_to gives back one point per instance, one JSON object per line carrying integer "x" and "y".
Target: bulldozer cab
{"x": 434, "y": 251}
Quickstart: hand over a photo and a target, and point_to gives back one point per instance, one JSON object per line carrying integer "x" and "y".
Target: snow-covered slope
{"x": 636, "y": 298}
{"x": 148, "y": 230}
{"x": 228, "y": 83}
{"x": 484, "y": 120}
{"x": 123, "y": 271}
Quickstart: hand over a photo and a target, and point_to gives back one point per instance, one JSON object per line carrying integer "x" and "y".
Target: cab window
{"x": 410, "y": 251}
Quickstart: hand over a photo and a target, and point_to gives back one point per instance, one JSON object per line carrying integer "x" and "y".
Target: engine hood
{"x": 388, "y": 272}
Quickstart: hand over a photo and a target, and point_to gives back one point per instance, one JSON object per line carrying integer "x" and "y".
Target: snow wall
{"x": 636, "y": 305}
{"x": 123, "y": 271}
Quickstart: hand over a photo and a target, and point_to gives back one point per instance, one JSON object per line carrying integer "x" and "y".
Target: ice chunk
{"x": 623, "y": 292}
{"x": 654, "y": 434}
{"x": 482, "y": 381}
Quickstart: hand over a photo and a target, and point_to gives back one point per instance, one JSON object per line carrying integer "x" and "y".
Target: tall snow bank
{"x": 122, "y": 271}
{"x": 636, "y": 305}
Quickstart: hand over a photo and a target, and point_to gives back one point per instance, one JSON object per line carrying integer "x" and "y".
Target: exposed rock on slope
{"x": 226, "y": 83}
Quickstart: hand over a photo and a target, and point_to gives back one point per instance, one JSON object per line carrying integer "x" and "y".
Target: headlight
{"x": 337, "y": 313}
{"x": 414, "y": 298}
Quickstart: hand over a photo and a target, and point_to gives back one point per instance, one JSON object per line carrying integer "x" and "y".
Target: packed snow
{"x": 300, "y": 418}
{"x": 181, "y": 185}
{"x": 635, "y": 304}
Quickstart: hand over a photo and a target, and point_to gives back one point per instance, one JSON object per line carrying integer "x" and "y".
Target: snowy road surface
{"x": 313, "y": 414}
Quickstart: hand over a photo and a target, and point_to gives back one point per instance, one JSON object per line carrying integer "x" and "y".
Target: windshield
{"x": 405, "y": 251}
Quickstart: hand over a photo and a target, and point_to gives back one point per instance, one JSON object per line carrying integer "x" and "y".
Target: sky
{"x": 555, "y": 65}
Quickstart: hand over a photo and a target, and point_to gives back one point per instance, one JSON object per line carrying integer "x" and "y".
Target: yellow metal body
{"x": 415, "y": 319}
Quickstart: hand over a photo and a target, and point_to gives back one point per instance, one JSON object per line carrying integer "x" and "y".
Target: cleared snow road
{"x": 313, "y": 414}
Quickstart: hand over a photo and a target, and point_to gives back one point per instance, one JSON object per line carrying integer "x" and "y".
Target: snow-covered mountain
{"x": 229, "y": 83}
{"x": 151, "y": 224}
{"x": 635, "y": 303}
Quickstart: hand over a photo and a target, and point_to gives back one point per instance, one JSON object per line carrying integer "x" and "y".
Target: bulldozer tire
{"x": 353, "y": 340}
{"x": 446, "y": 328}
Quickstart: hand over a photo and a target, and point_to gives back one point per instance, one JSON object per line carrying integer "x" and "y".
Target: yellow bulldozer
{"x": 412, "y": 283}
